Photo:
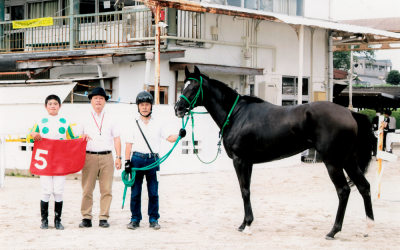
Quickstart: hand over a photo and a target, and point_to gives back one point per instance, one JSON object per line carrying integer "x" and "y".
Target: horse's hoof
{"x": 329, "y": 238}
{"x": 240, "y": 229}
{"x": 370, "y": 226}
{"x": 247, "y": 230}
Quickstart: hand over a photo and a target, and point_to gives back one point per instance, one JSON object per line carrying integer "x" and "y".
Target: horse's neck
{"x": 218, "y": 103}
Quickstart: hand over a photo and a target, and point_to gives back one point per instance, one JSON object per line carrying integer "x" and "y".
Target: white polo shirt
{"x": 154, "y": 131}
{"x": 91, "y": 124}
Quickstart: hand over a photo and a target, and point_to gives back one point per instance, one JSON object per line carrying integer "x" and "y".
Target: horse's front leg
{"x": 243, "y": 171}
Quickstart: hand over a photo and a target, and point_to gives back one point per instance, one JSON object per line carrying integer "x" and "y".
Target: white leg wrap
{"x": 247, "y": 230}
{"x": 370, "y": 226}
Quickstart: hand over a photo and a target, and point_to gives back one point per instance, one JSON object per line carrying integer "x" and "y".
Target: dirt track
{"x": 293, "y": 207}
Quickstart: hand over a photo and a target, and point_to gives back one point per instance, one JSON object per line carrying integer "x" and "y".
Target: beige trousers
{"x": 101, "y": 166}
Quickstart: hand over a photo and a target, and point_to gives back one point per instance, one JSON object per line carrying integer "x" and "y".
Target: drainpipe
{"x": 73, "y": 26}
{"x": 312, "y": 66}
{"x": 330, "y": 66}
{"x": 149, "y": 56}
{"x": 100, "y": 75}
{"x": 3, "y": 160}
{"x": 157, "y": 55}
{"x": 351, "y": 80}
{"x": 301, "y": 55}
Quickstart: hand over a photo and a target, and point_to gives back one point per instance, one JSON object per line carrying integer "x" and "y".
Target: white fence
{"x": 17, "y": 119}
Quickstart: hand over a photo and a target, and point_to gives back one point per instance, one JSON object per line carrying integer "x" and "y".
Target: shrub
{"x": 370, "y": 113}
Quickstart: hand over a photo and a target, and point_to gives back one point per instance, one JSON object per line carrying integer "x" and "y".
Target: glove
{"x": 182, "y": 132}
{"x": 128, "y": 166}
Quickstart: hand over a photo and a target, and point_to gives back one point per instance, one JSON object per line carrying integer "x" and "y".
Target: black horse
{"x": 262, "y": 132}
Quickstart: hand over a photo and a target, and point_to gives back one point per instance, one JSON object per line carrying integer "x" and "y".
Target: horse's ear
{"x": 187, "y": 73}
{"x": 196, "y": 71}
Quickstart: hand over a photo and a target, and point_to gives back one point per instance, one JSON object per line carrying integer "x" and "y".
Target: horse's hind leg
{"x": 363, "y": 187}
{"x": 243, "y": 172}
{"x": 343, "y": 190}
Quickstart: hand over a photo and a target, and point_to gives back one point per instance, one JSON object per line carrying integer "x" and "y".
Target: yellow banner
{"x": 47, "y": 21}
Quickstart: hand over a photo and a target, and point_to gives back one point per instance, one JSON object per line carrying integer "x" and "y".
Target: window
{"x": 17, "y": 12}
{"x": 290, "y": 7}
{"x": 290, "y": 89}
{"x": 42, "y": 9}
{"x": 251, "y": 89}
{"x": 163, "y": 94}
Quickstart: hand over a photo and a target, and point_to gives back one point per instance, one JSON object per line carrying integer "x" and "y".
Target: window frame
{"x": 293, "y": 98}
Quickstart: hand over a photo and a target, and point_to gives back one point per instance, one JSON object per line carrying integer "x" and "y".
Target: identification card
{"x": 158, "y": 175}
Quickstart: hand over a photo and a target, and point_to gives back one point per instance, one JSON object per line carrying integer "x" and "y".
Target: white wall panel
{"x": 206, "y": 131}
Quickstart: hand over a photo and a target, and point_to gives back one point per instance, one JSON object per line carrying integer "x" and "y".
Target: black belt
{"x": 148, "y": 155}
{"x": 98, "y": 153}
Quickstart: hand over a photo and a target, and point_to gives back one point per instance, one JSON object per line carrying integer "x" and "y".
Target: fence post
{"x": 73, "y": 24}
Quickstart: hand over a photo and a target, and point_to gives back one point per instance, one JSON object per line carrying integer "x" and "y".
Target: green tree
{"x": 341, "y": 59}
{"x": 393, "y": 77}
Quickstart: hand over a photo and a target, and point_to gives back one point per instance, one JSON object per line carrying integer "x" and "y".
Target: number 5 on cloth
{"x": 58, "y": 157}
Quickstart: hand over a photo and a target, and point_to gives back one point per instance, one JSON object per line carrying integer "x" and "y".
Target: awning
{"x": 89, "y": 59}
{"x": 34, "y": 93}
{"x": 270, "y": 16}
{"x": 215, "y": 68}
{"x": 344, "y": 33}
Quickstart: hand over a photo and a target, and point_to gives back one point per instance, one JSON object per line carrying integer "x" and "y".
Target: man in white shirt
{"x": 103, "y": 135}
{"x": 143, "y": 154}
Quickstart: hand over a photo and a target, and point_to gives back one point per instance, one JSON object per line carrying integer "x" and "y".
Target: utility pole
{"x": 157, "y": 55}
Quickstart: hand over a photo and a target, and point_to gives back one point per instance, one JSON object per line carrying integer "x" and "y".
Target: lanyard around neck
{"x": 101, "y": 125}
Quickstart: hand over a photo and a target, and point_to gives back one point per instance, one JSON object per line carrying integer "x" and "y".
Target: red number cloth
{"x": 58, "y": 157}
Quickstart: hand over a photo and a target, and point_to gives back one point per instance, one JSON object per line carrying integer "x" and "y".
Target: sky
{"x": 362, "y": 9}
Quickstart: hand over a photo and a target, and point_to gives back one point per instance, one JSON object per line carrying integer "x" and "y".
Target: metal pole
{"x": 149, "y": 56}
{"x": 1, "y": 27}
{"x": 380, "y": 148}
{"x": 330, "y": 67}
{"x": 351, "y": 80}
{"x": 301, "y": 54}
{"x": 73, "y": 24}
{"x": 157, "y": 56}
{"x": 3, "y": 160}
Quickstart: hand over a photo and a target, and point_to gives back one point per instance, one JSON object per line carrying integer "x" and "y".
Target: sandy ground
{"x": 294, "y": 208}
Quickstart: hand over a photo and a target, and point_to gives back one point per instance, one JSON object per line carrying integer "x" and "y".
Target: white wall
{"x": 206, "y": 132}
{"x": 282, "y": 36}
{"x": 318, "y": 9}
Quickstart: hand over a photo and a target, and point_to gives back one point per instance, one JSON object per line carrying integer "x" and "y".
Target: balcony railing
{"x": 99, "y": 30}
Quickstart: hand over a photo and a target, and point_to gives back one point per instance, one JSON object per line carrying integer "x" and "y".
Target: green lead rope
{"x": 129, "y": 179}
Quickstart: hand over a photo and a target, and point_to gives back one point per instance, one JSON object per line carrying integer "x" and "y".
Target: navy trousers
{"x": 152, "y": 189}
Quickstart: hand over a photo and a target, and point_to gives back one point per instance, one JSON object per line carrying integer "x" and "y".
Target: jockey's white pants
{"x": 52, "y": 185}
{"x": 389, "y": 141}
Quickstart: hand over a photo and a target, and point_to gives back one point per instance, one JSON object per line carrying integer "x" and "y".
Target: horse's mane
{"x": 226, "y": 88}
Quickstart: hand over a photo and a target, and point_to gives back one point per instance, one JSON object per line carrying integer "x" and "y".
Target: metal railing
{"x": 97, "y": 30}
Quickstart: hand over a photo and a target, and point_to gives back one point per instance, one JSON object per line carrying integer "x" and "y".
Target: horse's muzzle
{"x": 180, "y": 111}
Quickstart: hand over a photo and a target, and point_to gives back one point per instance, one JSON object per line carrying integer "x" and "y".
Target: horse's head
{"x": 192, "y": 93}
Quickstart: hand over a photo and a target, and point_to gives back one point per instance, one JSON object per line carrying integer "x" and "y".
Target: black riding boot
{"x": 57, "y": 215}
{"x": 44, "y": 211}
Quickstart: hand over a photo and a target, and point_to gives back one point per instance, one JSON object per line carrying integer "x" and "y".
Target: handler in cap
{"x": 144, "y": 143}
{"x": 103, "y": 135}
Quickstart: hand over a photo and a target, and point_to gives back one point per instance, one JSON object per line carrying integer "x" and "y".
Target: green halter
{"x": 191, "y": 113}
{"x": 193, "y": 102}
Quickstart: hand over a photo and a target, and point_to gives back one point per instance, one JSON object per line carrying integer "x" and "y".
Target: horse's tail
{"x": 364, "y": 142}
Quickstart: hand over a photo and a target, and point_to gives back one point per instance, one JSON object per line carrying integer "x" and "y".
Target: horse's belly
{"x": 272, "y": 151}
